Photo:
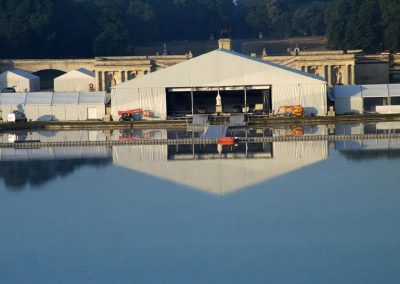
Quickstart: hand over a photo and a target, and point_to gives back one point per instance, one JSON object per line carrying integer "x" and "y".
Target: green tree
{"x": 391, "y": 24}
{"x": 27, "y": 28}
{"x": 356, "y": 24}
{"x": 114, "y": 36}
{"x": 311, "y": 19}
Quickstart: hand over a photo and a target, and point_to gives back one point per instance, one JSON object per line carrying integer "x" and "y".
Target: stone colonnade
{"x": 343, "y": 74}
{"x": 107, "y": 78}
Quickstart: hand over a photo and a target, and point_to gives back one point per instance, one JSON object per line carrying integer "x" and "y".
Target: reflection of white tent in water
{"x": 220, "y": 176}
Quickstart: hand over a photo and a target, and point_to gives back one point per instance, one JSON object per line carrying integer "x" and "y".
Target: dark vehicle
{"x": 8, "y": 90}
{"x": 127, "y": 117}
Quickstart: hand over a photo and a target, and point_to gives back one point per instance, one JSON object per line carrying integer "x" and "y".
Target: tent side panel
{"x": 151, "y": 99}
{"x": 59, "y": 112}
{"x": 155, "y": 101}
{"x": 71, "y": 112}
{"x": 31, "y": 112}
{"x": 45, "y": 113}
{"x": 100, "y": 110}
{"x": 312, "y": 97}
{"x": 6, "y": 109}
{"x": 349, "y": 105}
{"x": 82, "y": 112}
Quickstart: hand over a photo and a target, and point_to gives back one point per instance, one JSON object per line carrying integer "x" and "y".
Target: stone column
{"x": 123, "y": 79}
{"x": 329, "y": 75}
{"x": 345, "y": 79}
{"x": 104, "y": 78}
{"x": 348, "y": 68}
{"x": 98, "y": 80}
{"x": 353, "y": 77}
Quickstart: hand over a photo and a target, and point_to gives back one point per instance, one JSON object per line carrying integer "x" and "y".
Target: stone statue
{"x": 314, "y": 70}
{"x": 226, "y": 33}
{"x": 338, "y": 76}
{"x": 218, "y": 99}
{"x": 218, "y": 107}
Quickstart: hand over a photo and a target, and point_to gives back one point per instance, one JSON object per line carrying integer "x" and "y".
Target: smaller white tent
{"x": 348, "y": 99}
{"x": 381, "y": 98}
{"x": 80, "y": 80}
{"x": 47, "y": 106}
{"x": 21, "y": 80}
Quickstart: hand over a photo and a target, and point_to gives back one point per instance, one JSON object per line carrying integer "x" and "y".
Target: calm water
{"x": 293, "y": 212}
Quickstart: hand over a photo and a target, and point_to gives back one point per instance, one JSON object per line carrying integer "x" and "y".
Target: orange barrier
{"x": 227, "y": 141}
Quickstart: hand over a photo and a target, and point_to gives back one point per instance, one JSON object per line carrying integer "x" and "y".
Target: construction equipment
{"x": 134, "y": 114}
{"x": 290, "y": 111}
{"x": 289, "y": 131}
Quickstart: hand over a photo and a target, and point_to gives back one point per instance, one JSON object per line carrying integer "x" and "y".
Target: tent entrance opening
{"x": 184, "y": 101}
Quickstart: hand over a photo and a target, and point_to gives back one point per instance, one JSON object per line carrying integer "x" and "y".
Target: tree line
{"x": 87, "y": 28}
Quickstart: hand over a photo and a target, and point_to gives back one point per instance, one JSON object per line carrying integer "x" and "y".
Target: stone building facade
{"x": 111, "y": 71}
{"x": 343, "y": 67}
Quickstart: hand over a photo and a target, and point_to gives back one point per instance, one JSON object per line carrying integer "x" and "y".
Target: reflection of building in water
{"x": 54, "y": 136}
{"x": 382, "y": 145}
{"x": 203, "y": 167}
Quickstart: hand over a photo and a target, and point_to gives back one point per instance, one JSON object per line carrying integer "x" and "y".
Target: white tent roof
{"x": 20, "y": 73}
{"x": 341, "y": 91}
{"x": 80, "y": 73}
{"x": 220, "y": 176}
{"x": 50, "y": 98}
{"x": 221, "y": 68}
{"x": 93, "y": 97}
{"x": 66, "y": 98}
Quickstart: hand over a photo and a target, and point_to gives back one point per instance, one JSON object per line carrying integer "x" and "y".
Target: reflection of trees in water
{"x": 360, "y": 155}
{"x": 17, "y": 174}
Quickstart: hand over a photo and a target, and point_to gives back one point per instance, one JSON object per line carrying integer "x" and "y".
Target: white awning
{"x": 394, "y": 90}
{"x": 375, "y": 91}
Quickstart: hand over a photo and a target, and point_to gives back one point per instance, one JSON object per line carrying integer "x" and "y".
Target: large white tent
{"x": 47, "y": 106}
{"x": 80, "y": 80}
{"x": 20, "y": 80}
{"x": 220, "y": 70}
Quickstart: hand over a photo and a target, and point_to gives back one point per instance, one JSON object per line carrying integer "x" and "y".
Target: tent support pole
{"x": 245, "y": 100}
{"x": 191, "y": 97}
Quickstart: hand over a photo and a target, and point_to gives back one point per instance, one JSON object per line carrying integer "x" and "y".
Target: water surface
{"x": 283, "y": 212}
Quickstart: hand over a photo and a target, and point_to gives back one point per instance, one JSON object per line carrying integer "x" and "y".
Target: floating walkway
{"x": 38, "y": 144}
